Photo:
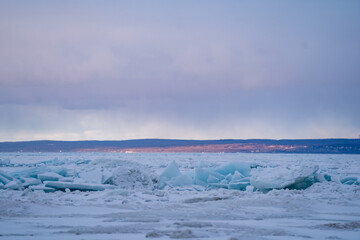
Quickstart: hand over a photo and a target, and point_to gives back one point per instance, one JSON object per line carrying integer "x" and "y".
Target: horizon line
{"x": 180, "y": 139}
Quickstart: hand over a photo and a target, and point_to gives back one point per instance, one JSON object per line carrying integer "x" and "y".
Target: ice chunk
{"x": 92, "y": 176}
{"x": 295, "y": 177}
{"x": 42, "y": 188}
{"x": 53, "y": 162}
{"x": 230, "y": 168}
{"x": 212, "y": 179}
{"x": 49, "y": 176}
{"x": 203, "y": 174}
{"x": 30, "y": 181}
{"x": 66, "y": 179}
{"x": 322, "y": 177}
{"x": 319, "y": 177}
{"x": 239, "y": 182}
{"x": 106, "y": 175}
{"x": 170, "y": 171}
{"x": 5, "y": 177}
{"x": 130, "y": 176}
{"x": 79, "y": 162}
{"x": 75, "y": 186}
{"x": 350, "y": 181}
{"x": 185, "y": 179}
{"x": 61, "y": 171}
{"x": 4, "y": 180}
{"x": 228, "y": 177}
{"x": 249, "y": 188}
{"x": 238, "y": 185}
{"x": 31, "y": 172}
{"x": 219, "y": 185}
{"x": 4, "y": 162}
{"x": 237, "y": 176}
{"x": 14, "y": 185}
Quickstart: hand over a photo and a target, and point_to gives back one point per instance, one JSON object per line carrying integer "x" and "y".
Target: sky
{"x": 114, "y": 70}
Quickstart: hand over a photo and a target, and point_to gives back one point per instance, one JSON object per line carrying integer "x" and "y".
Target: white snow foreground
{"x": 129, "y": 175}
{"x": 179, "y": 196}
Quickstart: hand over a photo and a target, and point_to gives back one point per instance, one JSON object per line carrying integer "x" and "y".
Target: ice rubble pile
{"x": 131, "y": 176}
{"x": 46, "y": 179}
{"x": 242, "y": 176}
{"x": 89, "y": 177}
{"x": 98, "y": 176}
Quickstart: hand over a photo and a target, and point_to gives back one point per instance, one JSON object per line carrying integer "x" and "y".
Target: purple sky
{"x": 73, "y": 70}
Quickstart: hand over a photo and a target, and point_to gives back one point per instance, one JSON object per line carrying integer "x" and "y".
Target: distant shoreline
{"x": 335, "y": 145}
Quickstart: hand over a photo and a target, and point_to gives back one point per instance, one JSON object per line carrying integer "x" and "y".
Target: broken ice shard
{"x": 75, "y": 186}
{"x": 294, "y": 177}
{"x": 49, "y": 176}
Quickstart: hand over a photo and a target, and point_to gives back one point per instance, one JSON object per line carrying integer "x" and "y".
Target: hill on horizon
{"x": 336, "y": 145}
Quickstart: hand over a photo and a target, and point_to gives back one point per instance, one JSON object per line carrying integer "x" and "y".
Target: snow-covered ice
{"x": 179, "y": 196}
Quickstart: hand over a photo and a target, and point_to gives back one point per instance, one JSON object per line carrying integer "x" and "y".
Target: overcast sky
{"x": 76, "y": 70}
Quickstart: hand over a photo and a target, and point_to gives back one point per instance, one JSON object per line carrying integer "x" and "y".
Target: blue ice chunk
{"x": 238, "y": 185}
{"x": 224, "y": 181}
{"x": 323, "y": 177}
{"x": 237, "y": 176}
{"x": 6, "y": 176}
{"x": 219, "y": 185}
{"x": 53, "y": 162}
{"x": 202, "y": 175}
{"x": 302, "y": 184}
{"x": 66, "y": 179}
{"x": 76, "y": 186}
{"x": 246, "y": 179}
{"x": 327, "y": 177}
{"x": 292, "y": 177}
{"x": 30, "y": 181}
{"x": 61, "y": 171}
{"x": 22, "y": 180}
{"x": 172, "y": 170}
{"x": 4, "y": 180}
{"x": 230, "y": 168}
{"x": 79, "y": 162}
{"x": 319, "y": 177}
{"x": 228, "y": 177}
{"x": 212, "y": 179}
{"x": 42, "y": 188}
{"x": 4, "y": 162}
{"x": 49, "y": 176}
{"x": 184, "y": 179}
{"x": 31, "y": 172}
{"x": 349, "y": 181}
{"x": 14, "y": 185}
{"x": 238, "y": 181}
{"x": 70, "y": 173}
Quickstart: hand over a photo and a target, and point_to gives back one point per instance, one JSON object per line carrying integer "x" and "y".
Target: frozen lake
{"x": 328, "y": 209}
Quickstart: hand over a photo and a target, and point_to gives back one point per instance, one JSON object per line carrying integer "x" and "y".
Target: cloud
{"x": 179, "y": 69}
{"x": 38, "y": 123}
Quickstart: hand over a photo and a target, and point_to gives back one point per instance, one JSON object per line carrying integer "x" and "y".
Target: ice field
{"x": 179, "y": 196}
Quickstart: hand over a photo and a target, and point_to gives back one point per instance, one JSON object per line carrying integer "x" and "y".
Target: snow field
{"x": 181, "y": 196}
